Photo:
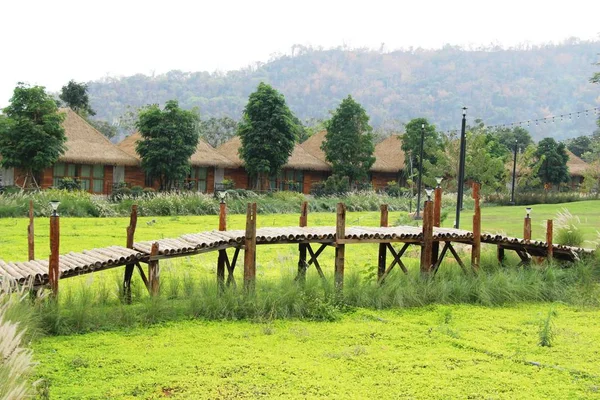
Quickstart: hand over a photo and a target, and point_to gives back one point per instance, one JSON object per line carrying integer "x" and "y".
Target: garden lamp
{"x": 222, "y": 195}
{"x": 54, "y": 204}
{"x": 429, "y": 191}
{"x": 439, "y": 180}
{"x": 528, "y": 211}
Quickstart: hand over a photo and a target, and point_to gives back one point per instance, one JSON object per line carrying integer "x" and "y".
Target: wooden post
{"x": 30, "y": 236}
{"x": 549, "y": 237}
{"x": 427, "y": 245}
{"x": 476, "y": 247}
{"x": 53, "y": 270}
{"x": 130, "y": 267}
{"x": 154, "y": 272}
{"x": 250, "y": 248}
{"x": 437, "y": 221}
{"x": 302, "y": 265}
{"x": 382, "y": 264}
{"x": 527, "y": 228}
{"x": 222, "y": 253}
{"x": 340, "y": 249}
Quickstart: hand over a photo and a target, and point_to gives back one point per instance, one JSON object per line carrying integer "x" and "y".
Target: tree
{"x": 217, "y": 131}
{"x": 579, "y": 145}
{"x": 481, "y": 163}
{"x": 170, "y": 137}
{"x": 75, "y": 96}
{"x": 31, "y": 136}
{"x": 107, "y": 129}
{"x": 553, "y": 157}
{"x": 508, "y": 136}
{"x": 267, "y": 133}
{"x": 411, "y": 145}
{"x": 348, "y": 143}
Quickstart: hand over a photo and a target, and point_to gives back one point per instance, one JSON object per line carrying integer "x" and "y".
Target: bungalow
{"x": 207, "y": 170}
{"x": 577, "y": 169}
{"x": 90, "y": 158}
{"x": 299, "y": 173}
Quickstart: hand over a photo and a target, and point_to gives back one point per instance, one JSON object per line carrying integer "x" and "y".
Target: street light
{"x": 461, "y": 167}
{"x": 512, "y": 194}
{"x": 420, "y": 171}
{"x": 439, "y": 180}
{"x": 54, "y": 205}
{"x": 429, "y": 192}
{"x": 528, "y": 212}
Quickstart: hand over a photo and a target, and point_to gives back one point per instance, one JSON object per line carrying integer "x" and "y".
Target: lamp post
{"x": 461, "y": 167}
{"x": 420, "y": 172}
{"x": 512, "y": 192}
{"x": 429, "y": 192}
{"x": 53, "y": 271}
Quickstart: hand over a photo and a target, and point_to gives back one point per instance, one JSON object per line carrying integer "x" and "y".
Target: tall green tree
{"x": 170, "y": 137}
{"x": 267, "y": 132}
{"x": 31, "y": 136}
{"x": 579, "y": 145}
{"x": 553, "y": 161}
{"x": 507, "y": 137}
{"x": 411, "y": 145}
{"x": 75, "y": 96}
{"x": 348, "y": 143}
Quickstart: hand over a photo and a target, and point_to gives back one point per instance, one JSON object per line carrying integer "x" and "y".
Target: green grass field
{"x": 445, "y": 351}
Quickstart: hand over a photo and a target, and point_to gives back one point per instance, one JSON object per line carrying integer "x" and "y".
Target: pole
{"x": 461, "y": 167}
{"x": 340, "y": 249}
{"x": 420, "y": 172}
{"x": 383, "y": 221}
{"x": 30, "y": 234}
{"x": 53, "y": 274}
{"x": 129, "y": 267}
{"x": 222, "y": 253}
{"x": 427, "y": 244}
{"x": 514, "y": 176}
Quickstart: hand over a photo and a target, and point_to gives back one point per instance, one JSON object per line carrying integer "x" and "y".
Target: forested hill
{"x": 499, "y": 86}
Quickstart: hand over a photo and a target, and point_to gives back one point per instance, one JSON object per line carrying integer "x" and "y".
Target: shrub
{"x": 228, "y": 184}
{"x": 567, "y": 229}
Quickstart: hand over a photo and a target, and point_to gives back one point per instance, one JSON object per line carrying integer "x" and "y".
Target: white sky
{"x": 50, "y": 42}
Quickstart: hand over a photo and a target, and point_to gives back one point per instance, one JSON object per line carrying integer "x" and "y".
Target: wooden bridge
{"x": 434, "y": 242}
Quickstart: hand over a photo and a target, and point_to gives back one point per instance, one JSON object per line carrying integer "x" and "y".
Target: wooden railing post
{"x": 250, "y": 249}
{"x": 549, "y": 238}
{"x": 427, "y": 244}
{"x": 302, "y": 265}
{"x": 53, "y": 270}
{"x": 30, "y": 234}
{"x": 129, "y": 267}
{"x": 382, "y": 264}
{"x": 154, "y": 271}
{"x": 222, "y": 253}
{"x": 340, "y": 249}
{"x": 437, "y": 221}
{"x": 527, "y": 228}
{"x": 476, "y": 247}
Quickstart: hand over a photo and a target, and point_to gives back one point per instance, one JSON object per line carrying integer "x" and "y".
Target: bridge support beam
{"x": 250, "y": 249}
{"x": 383, "y": 222}
{"x": 476, "y": 247}
{"x": 549, "y": 238}
{"x": 427, "y": 244}
{"x": 340, "y": 249}
{"x": 129, "y": 267}
{"x": 302, "y": 265}
{"x": 222, "y": 253}
{"x": 154, "y": 272}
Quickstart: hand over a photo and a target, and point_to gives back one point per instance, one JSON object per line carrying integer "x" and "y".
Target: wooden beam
{"x": 437, "y": 264}
{"x": 231, "y": 268}
{"x": 222, "y": 258}
{"x": 437, "y": 221}
{"x": 340, "y": 250}
{"x": 383, "y": 221}
{"x": 154, "y": 272}
{"x": 396, "y": 260}
{"x": 143, "y": 275}
{"x": 250, "y": 248}
{"x": 476, "y": 246}
{"x": 549, "y": 238}
{"x": 527, "y": 228}
{"x": 302, "y": 265}
{"x": 427, "y": 243}
{"x": 129, "y": 244}
{"x": 456, "y": 257}
{"x": 500, "y": 254}
{"x": 53, "y": 270}
{"x": 314, "y": 259}
{"x": 30, "y": 233}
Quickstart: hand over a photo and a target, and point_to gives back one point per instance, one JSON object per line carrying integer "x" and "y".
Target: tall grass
{"x": 567, "y": 229}
{"x": 83, "y": 204}
{"x": 87, "y": 307}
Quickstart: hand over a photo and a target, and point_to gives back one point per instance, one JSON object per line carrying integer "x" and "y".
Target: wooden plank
{"x": 154, "y": 272}
{"x": 30, "y": 234}
{"x": 382, "y": 262}
{"x": 340, "y": 250}
{"x": 476, "y": 247}
{"x": 549, "y": 238}
{"x": 250, "y": 248}
{"x": 427, "y": 244}
{"x": 53, "y": 270}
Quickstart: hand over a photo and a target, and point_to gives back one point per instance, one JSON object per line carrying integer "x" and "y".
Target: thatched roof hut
{"x": 85, "y": 145}
{"x": 205, "y": 155}
{"x": 576, "y": 165}
{"x": 313, "y": 145}
{"x": 389, "y": 156}
{"x": 300, "y": 159}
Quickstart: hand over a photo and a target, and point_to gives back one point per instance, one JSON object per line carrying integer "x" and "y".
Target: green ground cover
{"x": 444, "y": 352}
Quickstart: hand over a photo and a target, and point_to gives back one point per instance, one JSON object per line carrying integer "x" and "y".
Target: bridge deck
{"x": 73, "y": 264}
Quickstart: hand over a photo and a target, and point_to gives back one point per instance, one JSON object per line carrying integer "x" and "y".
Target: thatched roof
{"x": 576, "y": 165}
{"x": 300, "y": 159}
{"x": 205, "y": 155}
{"x": 85, "y": 145}
{"x": 389, "y": 156}
{"x": 313, "y": 145}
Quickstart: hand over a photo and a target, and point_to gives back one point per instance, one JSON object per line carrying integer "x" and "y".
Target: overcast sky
{"x": 50, "y": 42}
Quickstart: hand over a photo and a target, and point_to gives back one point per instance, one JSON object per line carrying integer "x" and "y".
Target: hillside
{"x": 498, "y": 85}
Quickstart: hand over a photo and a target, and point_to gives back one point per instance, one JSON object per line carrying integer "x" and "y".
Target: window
{"x": 292, "y": 179}
{"x": 196, "y": 180}
{"x": 90, "y": 177}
